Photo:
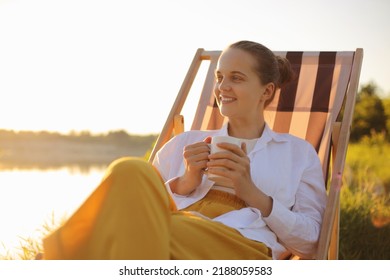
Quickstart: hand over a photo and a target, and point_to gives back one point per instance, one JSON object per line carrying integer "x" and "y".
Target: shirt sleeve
{"x": 167, "y": 158}
{"x": 298, "y": 228}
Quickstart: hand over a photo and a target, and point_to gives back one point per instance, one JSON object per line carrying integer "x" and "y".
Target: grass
{"x": 365, "y": 201}
{"x": 364, "y": 227}
{"x": 30, "y": 248}
{"x": 365, "y": 206}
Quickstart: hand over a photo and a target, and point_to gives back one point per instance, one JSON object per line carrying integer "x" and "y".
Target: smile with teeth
{"x": 225, "y": 99}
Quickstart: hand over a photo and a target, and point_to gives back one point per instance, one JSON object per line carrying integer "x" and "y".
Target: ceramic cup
{"x": 214, "y": 149}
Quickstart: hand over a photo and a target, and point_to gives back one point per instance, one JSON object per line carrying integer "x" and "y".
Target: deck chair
{"x": 326, "y": 84}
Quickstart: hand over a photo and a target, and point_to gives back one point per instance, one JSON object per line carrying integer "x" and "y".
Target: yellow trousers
{"x": 131, "y": 215}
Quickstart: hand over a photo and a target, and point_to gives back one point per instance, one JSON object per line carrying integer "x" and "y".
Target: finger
{"x": 197, "y": 148}
{"x": 199, "y": 157}
{"x": 226, "y": 154}
{"x": 229, "y": 160}
{"x": 223, "y": 172}
{"x": 243, "y": 147}
{"x": 199, "y": 165}
{"x": 228, "y": 169}
{"x": 217, "y": 171}
{"x": 207, "y": 140}
{"x": 196, "y": 164}
{"x": 225, "y": 163}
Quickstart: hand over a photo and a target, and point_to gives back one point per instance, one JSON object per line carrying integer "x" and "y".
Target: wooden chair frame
{"x": 328, "y": 245}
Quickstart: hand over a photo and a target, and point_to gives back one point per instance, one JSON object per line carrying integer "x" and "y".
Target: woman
{"x": 272, "y": 205}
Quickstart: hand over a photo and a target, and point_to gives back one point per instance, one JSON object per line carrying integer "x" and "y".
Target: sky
{"x": 103, "y": 65}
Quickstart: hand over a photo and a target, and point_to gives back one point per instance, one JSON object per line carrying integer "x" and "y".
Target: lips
{"x": 226, "y": 99}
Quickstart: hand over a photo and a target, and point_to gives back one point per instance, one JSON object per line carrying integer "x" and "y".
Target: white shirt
{"x": 285, "y": 168}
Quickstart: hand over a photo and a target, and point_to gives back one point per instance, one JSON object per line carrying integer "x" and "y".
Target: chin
{"x": 225, "y": 113}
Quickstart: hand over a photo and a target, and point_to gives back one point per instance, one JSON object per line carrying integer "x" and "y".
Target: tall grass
{"x": 365, "y": 201}
{"x": 31, "y": 248}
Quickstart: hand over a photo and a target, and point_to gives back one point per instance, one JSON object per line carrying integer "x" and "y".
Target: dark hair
{"x": 269, "y": 67}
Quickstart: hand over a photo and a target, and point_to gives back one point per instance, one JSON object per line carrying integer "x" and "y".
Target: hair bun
{"x": 285, "y": 71}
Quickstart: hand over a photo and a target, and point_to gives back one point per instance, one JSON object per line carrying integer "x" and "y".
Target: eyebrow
{"x": 233, "y": 72}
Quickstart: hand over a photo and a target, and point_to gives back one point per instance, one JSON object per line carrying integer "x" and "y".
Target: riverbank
{"x": 42, "y": 150}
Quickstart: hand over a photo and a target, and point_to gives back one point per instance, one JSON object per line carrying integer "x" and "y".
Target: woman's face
{"x": 238, "y": 89}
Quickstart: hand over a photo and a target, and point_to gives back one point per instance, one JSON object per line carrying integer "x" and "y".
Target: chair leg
{"x": 334, "y": 241}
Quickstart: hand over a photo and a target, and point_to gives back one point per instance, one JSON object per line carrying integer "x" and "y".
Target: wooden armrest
{"x": 178, "y": 124}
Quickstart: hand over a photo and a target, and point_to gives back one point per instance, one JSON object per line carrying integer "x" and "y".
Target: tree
{"x": 369, "y": 115}
{"x": 386, "y": 105}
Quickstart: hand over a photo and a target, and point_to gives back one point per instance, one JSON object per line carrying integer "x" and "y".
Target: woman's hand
{"x": 195, "y": 162}
{"x": 234, "y": 164}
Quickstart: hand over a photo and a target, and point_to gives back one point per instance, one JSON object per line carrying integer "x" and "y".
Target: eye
{"x": 236, "y": 78}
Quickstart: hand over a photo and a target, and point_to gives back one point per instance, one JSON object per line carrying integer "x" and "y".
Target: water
{"x": 31, "y": 198}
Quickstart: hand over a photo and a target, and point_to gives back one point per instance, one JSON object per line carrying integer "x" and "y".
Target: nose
{"x": 224, "y": 85}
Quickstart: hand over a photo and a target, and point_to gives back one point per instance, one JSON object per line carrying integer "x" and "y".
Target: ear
{"x": 268, "y": 92}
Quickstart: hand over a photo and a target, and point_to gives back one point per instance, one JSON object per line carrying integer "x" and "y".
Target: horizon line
{"x": 79, "y": 132}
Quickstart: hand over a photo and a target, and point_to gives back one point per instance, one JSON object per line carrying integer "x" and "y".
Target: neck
{"x": 240, "y": 129}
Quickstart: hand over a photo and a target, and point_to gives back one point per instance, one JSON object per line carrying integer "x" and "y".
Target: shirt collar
{"x": 267, "y": 136}
{"x": 272, "y": 135}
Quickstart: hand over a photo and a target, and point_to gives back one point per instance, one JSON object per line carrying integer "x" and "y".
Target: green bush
{"x": 370, "y": 113}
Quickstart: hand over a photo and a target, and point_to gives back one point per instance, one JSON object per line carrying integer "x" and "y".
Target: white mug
{"x": 214, "y": 149}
